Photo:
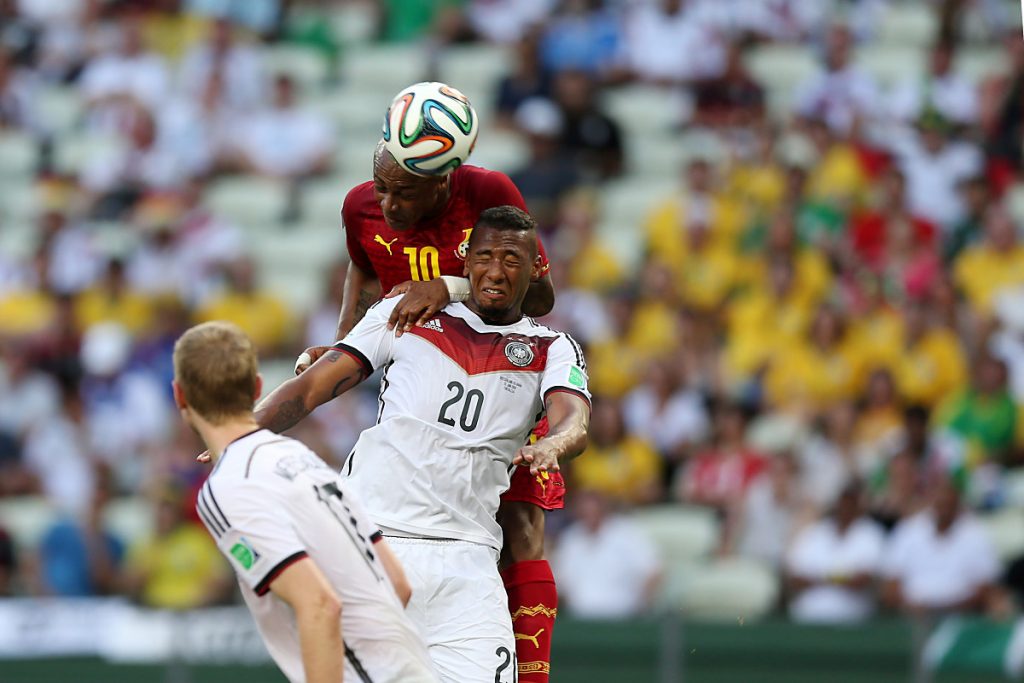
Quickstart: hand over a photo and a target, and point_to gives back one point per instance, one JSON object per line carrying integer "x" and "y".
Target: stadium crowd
{"x": 822, "y": 342}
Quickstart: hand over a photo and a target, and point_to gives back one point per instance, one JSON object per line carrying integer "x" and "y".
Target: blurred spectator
{"x": 833, "y": 563}
{"x": 617, "y": 464}
{"x": 8, "y": 564}
{"x": 73, "y": 259}
{"x": 17, "y": 97}
{"x": 549, "y": 173}
{"x": 77, "y": 556}
{"x": 285, "y": 140}
{"x": 606, "y": 568}
{"x": 842, "y": 94}
{"x": 260, "y": 16}
{"x": 124, "y": 80}
{"x": 939, "y": 560}
{"x": 669, "y": 413}
{"x": 205, "y": 243}
{"x": 760, "y": 523}
{"x": 118, "y": 179}
{"x": 1002, "y": 109}
{"x": 829, "y": 457}
{"x": 934, "y": 165}
{"x": 262, "y": 315}
{"x": 223, "y": 59}
{"x": 589, "y": 134}
{"x": 929, "y": 362}
{"x": 993, "y": 264}
{"x": 732, "y": 100}
{"x": 59, "y": 453}
{"x": 527, "y": 80}
{"x": 976, "y": 194}
{"x": 942, "y": 90}
{"x": 984, "y": 414}
{"x": 111, "y": 299}
{"x": 666, "y": 42}
{"x": 720, "y": 476}
{"x": 199, "y": 130}
{"x": 584, "y": 35}
{"x": 879, "y": 426}
{"x": 180, "y": 566}
{"x": 505, "y": 21}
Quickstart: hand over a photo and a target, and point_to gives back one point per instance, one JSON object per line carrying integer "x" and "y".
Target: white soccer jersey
{"x": 271, "y": 501}
{"x": 458, "y": 398}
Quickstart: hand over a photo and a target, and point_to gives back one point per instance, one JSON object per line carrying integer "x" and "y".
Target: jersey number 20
{"x": 470, "y": 408}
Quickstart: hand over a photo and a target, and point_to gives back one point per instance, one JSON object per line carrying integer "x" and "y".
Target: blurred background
{"x": 787, "y": 233}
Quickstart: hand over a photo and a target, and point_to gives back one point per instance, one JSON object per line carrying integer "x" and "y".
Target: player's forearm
{"x": 323, "y": 650}
{"x": 361, "y": 292}
{"x": 540, "y": 298}
{"x": 332, "y": 375}
{"x": 568, "y": 437}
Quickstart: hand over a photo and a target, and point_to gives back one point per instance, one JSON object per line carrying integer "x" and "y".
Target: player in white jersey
{"x": 324, "y": 588}
{"x": 458, "y": 399}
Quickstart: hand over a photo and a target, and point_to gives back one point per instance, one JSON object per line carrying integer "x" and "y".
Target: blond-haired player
{"x": 325, "y": 590}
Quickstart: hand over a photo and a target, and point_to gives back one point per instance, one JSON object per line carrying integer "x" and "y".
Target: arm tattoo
{"x": 366, "y": 299}
{"x": 283, "y": 416}
{"x": 347, "y": 383}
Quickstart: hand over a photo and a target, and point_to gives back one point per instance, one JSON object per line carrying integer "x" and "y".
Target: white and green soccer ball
{"x": 430, "y": 128}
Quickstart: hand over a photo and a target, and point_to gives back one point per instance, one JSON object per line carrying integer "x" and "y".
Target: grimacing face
{"x": 405, "y": 199}
{"x": 500, "y": 265}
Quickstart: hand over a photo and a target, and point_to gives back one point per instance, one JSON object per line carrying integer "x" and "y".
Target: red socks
{"x": 533, "y": 602}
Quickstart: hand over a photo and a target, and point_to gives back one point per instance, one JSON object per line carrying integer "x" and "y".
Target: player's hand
{"x": 537, "y": 458}
{"x": 308, "y": 357}
{"x": 203, "y": 457}
{"x": 421, "y": 301}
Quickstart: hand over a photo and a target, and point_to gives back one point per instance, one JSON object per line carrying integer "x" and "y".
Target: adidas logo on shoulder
{"x": 433, "y": 324}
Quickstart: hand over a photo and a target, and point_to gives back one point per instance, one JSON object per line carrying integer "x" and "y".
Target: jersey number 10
{"x": 423, "y": 263}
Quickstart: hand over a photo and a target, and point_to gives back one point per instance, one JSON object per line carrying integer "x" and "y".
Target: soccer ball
{"x": 430, "y": 128}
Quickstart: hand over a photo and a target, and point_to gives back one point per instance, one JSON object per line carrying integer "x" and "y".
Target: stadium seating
{"x": 682, "y": 533}
{"x": 305, "y": 65}
{"x": 731, "y": 589}
{"x": 251, "y": 202}
{"x": 17, "y": 155}
{"x": 1006, "y": 529}
{"x": 908, "y": 23}
{"x": 26, "y": 519}
{"x": 382, "y": 70}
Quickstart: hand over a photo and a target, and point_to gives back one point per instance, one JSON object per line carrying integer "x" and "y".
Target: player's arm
{"x": 332, "y": 375}
{"x": 318, "y": 615}
{"x": 569, "y": 419}
{"x": 394, "y": 570}
{"x": 540, "y": 297}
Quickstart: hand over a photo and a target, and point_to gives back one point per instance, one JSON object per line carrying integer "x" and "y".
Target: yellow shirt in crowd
{"x": 622, "y": 470}
{"x": 981, "y": 272}
{"x": 131, "y": 310}
{"x": 179, "y": 567}
{"x": 263, "y": 317}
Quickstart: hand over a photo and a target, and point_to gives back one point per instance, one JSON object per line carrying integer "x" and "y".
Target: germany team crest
{"x": 518, "y": 353}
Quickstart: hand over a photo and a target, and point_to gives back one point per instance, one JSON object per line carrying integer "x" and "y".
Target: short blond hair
{"x": 215, "y": 365}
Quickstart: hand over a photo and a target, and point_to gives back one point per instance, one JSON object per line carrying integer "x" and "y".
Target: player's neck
{"x": 509, "y": 317}
{"x": 217, "y": 437}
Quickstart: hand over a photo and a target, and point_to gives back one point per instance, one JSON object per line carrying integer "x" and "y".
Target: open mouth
{"x": 492, "y": 292}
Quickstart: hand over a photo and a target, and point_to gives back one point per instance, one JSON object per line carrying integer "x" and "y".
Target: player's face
{"x": 500, "y": 265}
{"x": 406, "y": 199}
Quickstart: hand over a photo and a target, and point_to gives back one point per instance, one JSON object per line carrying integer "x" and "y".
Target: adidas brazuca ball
{"x": 430, "y": 128}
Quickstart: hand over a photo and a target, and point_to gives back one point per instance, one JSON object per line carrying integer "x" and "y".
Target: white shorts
{"x": 460, "y": 608}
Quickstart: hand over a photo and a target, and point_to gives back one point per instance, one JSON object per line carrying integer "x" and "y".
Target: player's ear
{"x": 259, "y": 388}
{"x": 537, "y": 269}
{"x": 465, "y": 268}
{"x": 179, "y": 396}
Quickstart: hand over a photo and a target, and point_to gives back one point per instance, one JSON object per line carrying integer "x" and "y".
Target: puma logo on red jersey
{"x": 387, "y": 245}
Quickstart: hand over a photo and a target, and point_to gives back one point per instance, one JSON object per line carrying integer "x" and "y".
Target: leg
{"x": 532, "y": 596}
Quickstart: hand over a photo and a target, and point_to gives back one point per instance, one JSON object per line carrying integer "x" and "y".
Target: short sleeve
{"x": 371, "y": 342}
{"x": 356, "y": 253}
{"x": 256, "y": 538}
{"x": 566, "y": 370}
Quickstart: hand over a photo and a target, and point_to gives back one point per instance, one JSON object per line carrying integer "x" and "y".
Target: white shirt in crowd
{"x": 271, "y": 502}
{"x": 951, "y": 95}
{"x": 143, "y": 77}
{"x": 677, "y": 47}
{"x": 285, "y": 142}
{"x": 242, "y": 69}
{"x": 820, "y": 552}
{"x": 939, "y": 570}
{"x": 682, "y": 420}
{"x": 603, "y": 575}
{"x": 839, "y": 97}
{"x": 932, "y": 179}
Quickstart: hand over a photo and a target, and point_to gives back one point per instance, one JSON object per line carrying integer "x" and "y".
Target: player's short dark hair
{"x": 215, "y": 365}
{"x": 505, "y": 218}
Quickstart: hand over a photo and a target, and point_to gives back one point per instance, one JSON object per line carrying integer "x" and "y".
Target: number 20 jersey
{"x": 458, "y": 398}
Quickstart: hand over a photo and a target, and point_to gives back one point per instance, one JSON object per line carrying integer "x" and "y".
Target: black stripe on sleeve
{"x": 357, "y": 354}
{"x": 263, "y": 587}
{"x": 216, "y": 507}
{"x": 207, "y": 520}
{"x": 568, "y": 390}
{"x": 577, "y": 350}
{"x": 376, "y": 536}
{"x": 357, "y": 665}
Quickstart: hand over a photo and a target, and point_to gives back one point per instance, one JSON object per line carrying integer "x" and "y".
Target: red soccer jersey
{"x": 433, "y": 248}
